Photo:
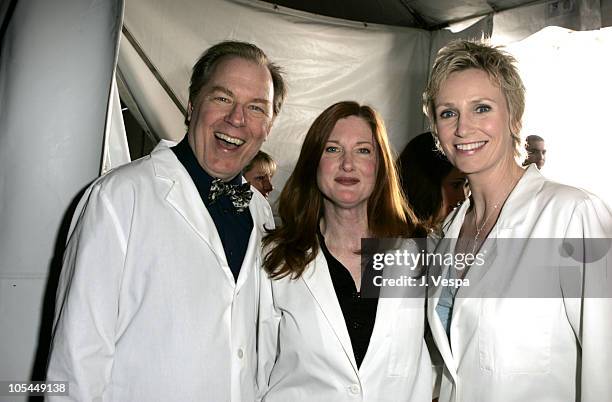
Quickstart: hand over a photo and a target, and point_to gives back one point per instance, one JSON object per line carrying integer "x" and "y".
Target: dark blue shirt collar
{"x": 200, "y": 177}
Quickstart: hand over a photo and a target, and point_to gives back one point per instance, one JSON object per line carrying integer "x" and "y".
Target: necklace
{"x": 479, "y": 229}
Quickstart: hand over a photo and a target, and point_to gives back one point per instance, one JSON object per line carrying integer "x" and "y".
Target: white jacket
{"x": 508, "y": 349}
{"x": 306, "y": 354}
{"x": 147, "y": 307}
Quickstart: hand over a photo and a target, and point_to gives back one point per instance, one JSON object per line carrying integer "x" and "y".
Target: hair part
{"x": 293, "y": 245}
{"x": 501, "y": 68}
{"x": 206, "y": 64}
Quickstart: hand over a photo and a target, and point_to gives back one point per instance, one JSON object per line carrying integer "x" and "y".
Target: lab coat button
{"x": 240, "y": 353}
{"x": 354, "y": 389}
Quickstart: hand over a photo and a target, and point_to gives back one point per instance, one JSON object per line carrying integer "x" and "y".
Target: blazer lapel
{"x": 319, "y": 283}
{"x": 386, "y": 313}
{"x": 446, "y": 245}
{"x": 437, "y": 329}
{"x": 509, "y": 223}
{"x": 184, "y": 198}
{"x": 519, "y": 205}
{"x": 252, "y": 258}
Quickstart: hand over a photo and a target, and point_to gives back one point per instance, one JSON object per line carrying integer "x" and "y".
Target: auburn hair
{"x": 293, "y": 245}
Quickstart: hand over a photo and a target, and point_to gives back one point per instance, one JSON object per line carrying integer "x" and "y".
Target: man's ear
{"x": 189, "y": 110}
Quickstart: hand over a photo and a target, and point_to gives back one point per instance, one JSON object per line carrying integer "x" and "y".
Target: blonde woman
{"x": 496, "y": 344}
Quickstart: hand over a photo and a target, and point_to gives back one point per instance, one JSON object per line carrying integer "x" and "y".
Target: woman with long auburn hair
{"x": 321, "y": 340}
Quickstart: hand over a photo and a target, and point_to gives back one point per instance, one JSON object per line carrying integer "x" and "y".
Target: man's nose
{"x": 235, "y": 116}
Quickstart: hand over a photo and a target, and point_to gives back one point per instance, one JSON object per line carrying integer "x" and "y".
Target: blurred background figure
{"x": 259, "y": 173}
{"x": 432, "y": 185}
{"x": 536, "y": 151}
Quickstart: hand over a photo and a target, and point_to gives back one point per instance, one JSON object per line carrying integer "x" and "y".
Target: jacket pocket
{"x": 514, "y": 335}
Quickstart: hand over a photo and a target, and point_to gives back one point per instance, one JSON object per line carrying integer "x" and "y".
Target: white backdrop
{"x": 56, "y": 66}
{"x": 567, "y": 76}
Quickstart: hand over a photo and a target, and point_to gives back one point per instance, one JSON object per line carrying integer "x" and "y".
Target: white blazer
{"x": 306, "y": 354}
{"x": 147, "y": 307}
{"x": 508, "y": 349}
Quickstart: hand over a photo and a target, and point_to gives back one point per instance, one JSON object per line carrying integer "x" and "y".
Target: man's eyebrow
{"x": 219, "y": 88}
{"x": 261, "y": 100}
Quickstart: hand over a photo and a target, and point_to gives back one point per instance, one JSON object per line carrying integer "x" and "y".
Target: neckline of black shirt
{"x": 359, "y": 313}
{"x": 234, "y": 228}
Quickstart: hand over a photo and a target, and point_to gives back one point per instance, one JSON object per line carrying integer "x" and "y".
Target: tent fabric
{"x": 116, "y": 150}
{"x": 57, "y": 63}
{"x": 146, "y": 97}
{"x": 519, "y": 23}
{"x": 430, "y": 14}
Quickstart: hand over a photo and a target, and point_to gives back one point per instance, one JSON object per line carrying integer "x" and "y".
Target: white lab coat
{"x": 556, "y": 349}
{"x": 147, "y": 307}
{"x": 305, "y": 351}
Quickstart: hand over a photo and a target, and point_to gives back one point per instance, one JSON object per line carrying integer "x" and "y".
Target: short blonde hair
{"x": 264, "y": 160}
{"x": 461, "y": 55}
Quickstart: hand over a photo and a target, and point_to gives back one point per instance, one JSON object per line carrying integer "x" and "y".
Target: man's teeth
{"x": 470, "y": 146}
{"x": 231, "y": 140}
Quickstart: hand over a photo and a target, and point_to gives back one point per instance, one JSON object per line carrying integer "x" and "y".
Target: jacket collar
{"x": 319, "y": 283}
{"x": 509, "y": 224}
{"x": 183, "y": 196}
{"x": 514, "y": 211}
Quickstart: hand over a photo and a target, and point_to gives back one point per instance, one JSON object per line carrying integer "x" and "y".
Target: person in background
{"x": 259, "y": 172}
{"x": 497, "y": 344}
{"x": 158, "y": 294}
{"x": 536, "y": 151}
{"x": 321, "y": 340}
{"x": 433, "y": 186}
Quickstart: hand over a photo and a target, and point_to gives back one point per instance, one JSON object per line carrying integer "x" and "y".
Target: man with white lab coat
{"x": 158, "y": 295}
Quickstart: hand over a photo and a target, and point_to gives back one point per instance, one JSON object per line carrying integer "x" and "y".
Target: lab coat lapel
{"x": 435, "y": 324}
{"x": 518, "y": 206}
{"x": 184, "y": 198}
{"x": 509, "y": 225}
{"x": 252, "y": 258}
{"x": 386, "y": 313}
{"x": 319, "y": 283}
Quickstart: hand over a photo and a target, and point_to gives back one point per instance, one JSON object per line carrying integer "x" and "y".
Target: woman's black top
{"x": 359, "y": 313}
